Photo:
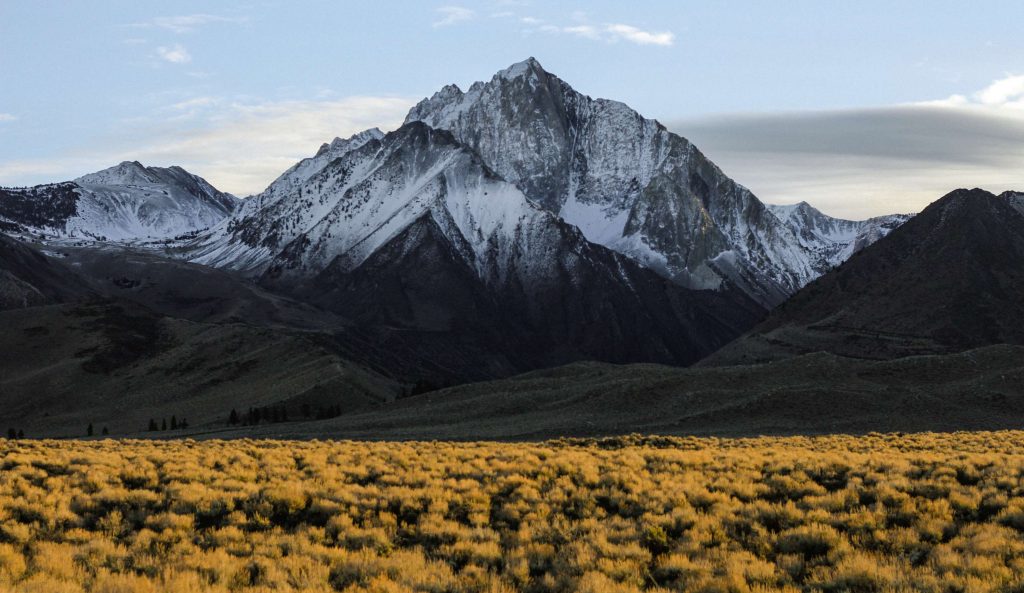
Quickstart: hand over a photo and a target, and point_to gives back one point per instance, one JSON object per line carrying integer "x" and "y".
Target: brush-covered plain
{"x": 923, "y": 512}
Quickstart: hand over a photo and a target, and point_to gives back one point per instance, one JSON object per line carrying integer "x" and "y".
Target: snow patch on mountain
{"x": 126, "y": 202}
{"x": 831, "y": 241}
{"x": 367, "y": 196}
{"x": 629, "y": 184}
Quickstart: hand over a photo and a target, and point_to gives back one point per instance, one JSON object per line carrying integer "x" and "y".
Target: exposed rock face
{"x": 627, "y": 183}
{"x": 831, "y": 241}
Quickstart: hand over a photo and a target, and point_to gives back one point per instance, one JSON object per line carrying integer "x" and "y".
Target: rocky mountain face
{"x": 631, "y": 185}
{"x": 413, "y": 230}
{"x": 831, "y": 241}
{"x": 947, "y": 280}
{"x": 126, "y": 202}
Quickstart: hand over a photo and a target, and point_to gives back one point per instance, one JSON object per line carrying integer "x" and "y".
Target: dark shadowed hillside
{"x": 815, "y": 393}
{"x": 950, "y": 279}
{"x": 29, "y": 278}
{"x": 119, "y": 364}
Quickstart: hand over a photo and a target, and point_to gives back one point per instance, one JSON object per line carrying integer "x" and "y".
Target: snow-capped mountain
{"x": 625, "y": 181}
{"x": 831, "y": 241}
{"x": 126, "y": 202}
{"x": 413, "y": 229}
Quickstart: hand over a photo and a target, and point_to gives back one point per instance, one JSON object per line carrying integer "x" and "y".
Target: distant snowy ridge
{"x": 126, "y": 202}
{"x": 831, "y": 241}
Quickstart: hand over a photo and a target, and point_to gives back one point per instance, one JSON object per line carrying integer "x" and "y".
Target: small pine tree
{"x": 174, "y": 422}
{"x": 88, "y": 431}
{"x": 12, "y": 434}
{"x": 152, "y": 425}
{"x": 183, "y": 424}
{"x": 21, "y": 434}
{"x": 163, "y": 424}
{"x": 233, "y": 417}
{"x": 104, "y": 432}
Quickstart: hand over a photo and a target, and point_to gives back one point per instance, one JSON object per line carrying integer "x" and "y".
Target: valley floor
{"x": 922, "y": 512}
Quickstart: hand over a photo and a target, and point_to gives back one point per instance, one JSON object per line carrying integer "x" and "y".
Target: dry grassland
{"x": 941, "y": 513}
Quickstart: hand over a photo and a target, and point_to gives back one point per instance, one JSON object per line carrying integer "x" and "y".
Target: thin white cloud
{"x": 452, "y": 15}
{"x": 187, "y": 23}
{"x": 586, "y": 31}
{"x": 175, "y": 54}
{"x": 239, "y": 147}
{"x": 7, "y": 117}
{"x": 639, "y": 36}
{"x": 1006, "y": 92}
{"x": 195, "y": 102}
{"x": 608, "y": 33}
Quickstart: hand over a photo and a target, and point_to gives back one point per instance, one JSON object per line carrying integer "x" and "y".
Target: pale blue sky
{"x": 238, "y": 91}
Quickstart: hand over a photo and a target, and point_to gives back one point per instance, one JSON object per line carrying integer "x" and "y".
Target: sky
{"x": 859, "y": 108}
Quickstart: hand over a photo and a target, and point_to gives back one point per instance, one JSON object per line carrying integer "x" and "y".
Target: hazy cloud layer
{"x": 866, "y": 162}
{"x": 239, "y": 147}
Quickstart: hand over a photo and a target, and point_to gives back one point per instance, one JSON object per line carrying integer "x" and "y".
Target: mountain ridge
{"x": 625, "y": 181}
{"x": 947, "y": 280}
{"x": 126, "y": 202}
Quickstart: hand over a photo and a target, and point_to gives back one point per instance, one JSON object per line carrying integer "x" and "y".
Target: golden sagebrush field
{"x": 939, "y": 513}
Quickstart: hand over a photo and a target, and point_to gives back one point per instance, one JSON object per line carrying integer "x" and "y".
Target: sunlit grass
{"x": 942, "y": 513}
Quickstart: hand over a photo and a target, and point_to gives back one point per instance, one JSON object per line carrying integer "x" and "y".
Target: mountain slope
{"x": 117, "y": 364}
{"x": 29, "y": 278}
{"x": 949, "y": 279}
{"x": 982, "y": 389}
{"x": 123, "y": 203}
{"x": 413, "y": 230}
{"x": 625, "y": 181}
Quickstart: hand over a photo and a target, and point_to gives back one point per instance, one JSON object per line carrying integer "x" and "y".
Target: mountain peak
{"x": 354, "y": 141}
{"x": 526, "y": 67}
{"x": 123, "y": 173}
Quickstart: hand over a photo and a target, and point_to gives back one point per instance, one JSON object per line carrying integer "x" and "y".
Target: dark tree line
{"x": 176, "y": 424}
{"x": 254, "y": 416}
{"x": 89, "y": 431}
{"x": 15, "y": 434}
{"x": 279, "y": 413}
